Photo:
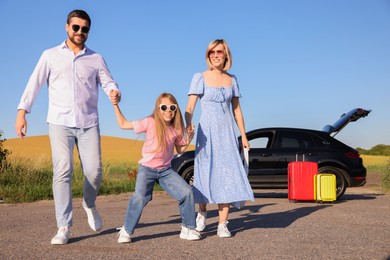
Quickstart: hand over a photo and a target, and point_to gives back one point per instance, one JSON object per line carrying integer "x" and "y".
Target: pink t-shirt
{"x": 151, "y": 157}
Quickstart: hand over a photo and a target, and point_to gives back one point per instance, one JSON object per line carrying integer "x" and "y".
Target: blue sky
{"x": 299, "y": 63}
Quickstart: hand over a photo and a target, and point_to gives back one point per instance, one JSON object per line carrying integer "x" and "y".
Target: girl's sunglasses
{"x": 172, "y": 107}
{"x": 76, "y": 28}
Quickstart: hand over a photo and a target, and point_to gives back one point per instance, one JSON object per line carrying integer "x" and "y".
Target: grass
{"x": 28, "y": 176}
{"x": 26, "y": 180}
{"x": 114, "y": 149}
{"x": 375, "y": 163}
{"x": 386, "y": 178}
{"x": 375, "y": 160}
{"x": 379, "y": 164}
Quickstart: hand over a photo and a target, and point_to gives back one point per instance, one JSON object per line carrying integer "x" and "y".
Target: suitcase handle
{"x": 303, "y": 157}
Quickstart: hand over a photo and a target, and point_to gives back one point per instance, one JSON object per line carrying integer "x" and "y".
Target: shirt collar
{"x": 64, "y": 46}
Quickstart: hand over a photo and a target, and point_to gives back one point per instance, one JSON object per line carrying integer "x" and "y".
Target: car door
{"x": 291, "y": 145}
{"x": 261, "y": 159}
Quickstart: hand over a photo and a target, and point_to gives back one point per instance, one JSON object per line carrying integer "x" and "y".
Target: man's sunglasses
{"x": 172, "y": 107}
{"x": 76, "y": 28}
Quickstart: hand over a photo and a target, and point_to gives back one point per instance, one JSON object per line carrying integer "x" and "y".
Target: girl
{"x": 164, "y": 130}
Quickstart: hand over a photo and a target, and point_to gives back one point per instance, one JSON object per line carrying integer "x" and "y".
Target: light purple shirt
{"x": 72, "y": 86}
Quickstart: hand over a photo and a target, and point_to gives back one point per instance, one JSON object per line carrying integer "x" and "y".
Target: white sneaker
{"x": 62, "y": 236}
{"x": 123, "y": 236}
{"x": 189, "y": 234}
{"x": 201, "y": 221}
{"x": 94, "y": 219}
{"x": 223, "y": 231}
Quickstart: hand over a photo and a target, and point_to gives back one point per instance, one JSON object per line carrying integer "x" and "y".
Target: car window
{"x": 261, "y": 140}
{"x": 320, "y": 141}
{"x": 294, "y": 140}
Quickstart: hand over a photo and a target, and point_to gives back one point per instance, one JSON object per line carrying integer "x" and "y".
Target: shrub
{"x": 3, "y": 153}
{"x": 386, "y": 177}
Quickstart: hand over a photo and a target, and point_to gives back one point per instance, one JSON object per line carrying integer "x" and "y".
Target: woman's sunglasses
{"x": 172, "y": 107}
{"x": 216, "y": 53}
{"x": 76, "y": 28}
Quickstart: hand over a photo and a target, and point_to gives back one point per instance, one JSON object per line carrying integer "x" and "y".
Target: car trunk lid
{"x": 351, "y": 116}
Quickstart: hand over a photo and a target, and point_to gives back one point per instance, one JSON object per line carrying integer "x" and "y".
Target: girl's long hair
{"x": 161, "y": 128}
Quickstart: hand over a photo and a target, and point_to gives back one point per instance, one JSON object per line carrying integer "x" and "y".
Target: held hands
{"x": 115, "y": 96}
{"x": 190, "y": 130}
{"x": 188, "y": 135}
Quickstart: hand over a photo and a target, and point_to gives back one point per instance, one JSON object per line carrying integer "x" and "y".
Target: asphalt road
{"x": 271, "y": 227}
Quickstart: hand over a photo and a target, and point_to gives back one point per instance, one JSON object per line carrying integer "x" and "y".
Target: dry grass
{"x": 114, "y": 149}
{"x": 38, "y": 148}
{"x": 377, "y": 160}
{"x": 35, "y": 147}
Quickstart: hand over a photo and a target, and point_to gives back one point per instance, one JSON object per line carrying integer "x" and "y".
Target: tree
{"x": 380, "y": 149}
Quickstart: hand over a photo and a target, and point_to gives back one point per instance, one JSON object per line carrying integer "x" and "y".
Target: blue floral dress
{"x": 219, "y": 174}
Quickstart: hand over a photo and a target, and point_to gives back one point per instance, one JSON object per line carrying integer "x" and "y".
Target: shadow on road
{"x": 345, "y": 197}
{"x": 247, "y": 220}
{"x": 250, "y": 217}
{"x": 255, "y": 220}
{"x": 367, "y": 196}
{"x": 271, "y": 194}
{"x": 102, "y": 233}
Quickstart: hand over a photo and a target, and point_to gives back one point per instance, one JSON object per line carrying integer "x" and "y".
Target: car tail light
{"x": 353, "y": 155}
{"x": 359, "y": 178}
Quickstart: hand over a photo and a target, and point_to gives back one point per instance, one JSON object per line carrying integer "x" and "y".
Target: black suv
{"x": 273, "y": 148}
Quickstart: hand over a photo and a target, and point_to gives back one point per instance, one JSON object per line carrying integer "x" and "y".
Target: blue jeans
{"x": 172, "y": 183}
{"x": 62, "y": 140}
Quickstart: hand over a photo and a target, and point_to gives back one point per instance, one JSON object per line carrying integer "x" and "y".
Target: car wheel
{"x": 341, "y": 183}
{"x": 188, "y": 174}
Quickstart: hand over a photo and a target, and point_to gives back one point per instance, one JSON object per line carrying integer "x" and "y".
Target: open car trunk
{"x": 351, "y": 116}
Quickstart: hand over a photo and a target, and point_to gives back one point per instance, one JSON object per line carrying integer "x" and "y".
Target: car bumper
{"x": 358, "y": 178}
{"x": 357, "y": 181}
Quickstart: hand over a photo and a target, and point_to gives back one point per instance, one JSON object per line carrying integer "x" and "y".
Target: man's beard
{"x": 78, "y": 43}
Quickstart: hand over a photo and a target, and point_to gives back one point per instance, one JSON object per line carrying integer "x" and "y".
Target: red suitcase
{"x": 300, "y": 180}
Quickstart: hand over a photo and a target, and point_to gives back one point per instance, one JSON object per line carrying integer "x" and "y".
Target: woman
{"x": 219, "y": 175}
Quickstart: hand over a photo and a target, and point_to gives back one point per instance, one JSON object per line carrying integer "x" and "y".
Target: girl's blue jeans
{"x": 172, "y": 183}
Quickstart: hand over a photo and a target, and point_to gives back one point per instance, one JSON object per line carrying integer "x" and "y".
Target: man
{"x": 72, "y": 73}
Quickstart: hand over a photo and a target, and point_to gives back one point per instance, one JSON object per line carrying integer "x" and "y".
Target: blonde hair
{"x": 161, "y": 128}
{"x": 228, "y": 61}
